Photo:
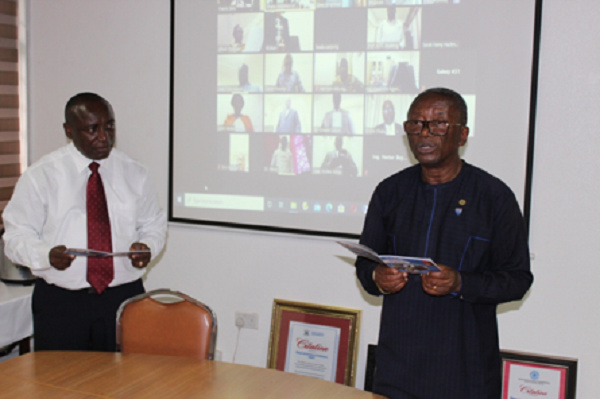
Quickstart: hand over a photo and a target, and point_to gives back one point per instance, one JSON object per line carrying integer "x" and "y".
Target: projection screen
{"x": 285, "y": 114}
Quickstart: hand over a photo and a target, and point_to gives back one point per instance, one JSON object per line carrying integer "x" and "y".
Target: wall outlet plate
{"x": 246, "y": 320}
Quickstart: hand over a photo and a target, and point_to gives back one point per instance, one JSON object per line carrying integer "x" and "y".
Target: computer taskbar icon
{"x": 288, "y": 205}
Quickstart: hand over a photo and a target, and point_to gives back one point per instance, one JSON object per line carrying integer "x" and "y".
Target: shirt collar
{"x": 81, "y": 161}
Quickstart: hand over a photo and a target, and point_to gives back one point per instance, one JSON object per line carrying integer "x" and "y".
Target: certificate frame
{"x": 534, "y": 366}
{"x": 344, "y": 320}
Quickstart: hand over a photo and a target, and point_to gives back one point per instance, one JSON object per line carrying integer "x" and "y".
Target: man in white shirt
{"x": 48, "y": 215}
{"x": 282, "y": 161}
{"x": 337, "y": 120}
{"x": 391, "y": 31}
{"x": 389, "y": 127}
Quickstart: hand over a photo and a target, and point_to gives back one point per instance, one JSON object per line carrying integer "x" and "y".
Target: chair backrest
{"x": 370, "y": 367}
{"x": 175, "y": 325}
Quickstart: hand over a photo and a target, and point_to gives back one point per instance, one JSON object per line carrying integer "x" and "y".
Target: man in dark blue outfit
{"x": 438, "y": 336}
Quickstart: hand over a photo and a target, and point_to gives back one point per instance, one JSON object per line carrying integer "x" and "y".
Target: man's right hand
{"x": 389, "y": 279}
{"x": 59, "y": 258}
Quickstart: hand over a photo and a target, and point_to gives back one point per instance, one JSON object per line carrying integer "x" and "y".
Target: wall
{"x": 121, "y": 49}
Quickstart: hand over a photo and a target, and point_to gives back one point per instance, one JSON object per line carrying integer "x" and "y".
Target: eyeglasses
{"x": 414, "y": 127}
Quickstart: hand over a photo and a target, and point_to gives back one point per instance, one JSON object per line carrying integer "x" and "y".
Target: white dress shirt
{"x": 391, "y": 32}
{"x": 390, "y": 129}
{"x": 48, "y": 208}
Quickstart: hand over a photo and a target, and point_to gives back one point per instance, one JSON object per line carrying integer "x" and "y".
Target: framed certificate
{"x": 314, "y": 340}
{"x": 527, "y": 375}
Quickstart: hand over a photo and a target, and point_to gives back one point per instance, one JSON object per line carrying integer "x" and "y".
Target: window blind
{"x": 10, "y": 165}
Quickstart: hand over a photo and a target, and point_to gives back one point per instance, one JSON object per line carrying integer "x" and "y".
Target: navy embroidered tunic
{"x": 445, "y": 347}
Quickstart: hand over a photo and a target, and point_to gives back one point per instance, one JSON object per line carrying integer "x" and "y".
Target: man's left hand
{"x": 444, "y": 282}
{"x": 142, "y": 259}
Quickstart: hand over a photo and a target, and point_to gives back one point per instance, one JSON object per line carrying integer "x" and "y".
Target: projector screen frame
{"x": 526, "y": 200}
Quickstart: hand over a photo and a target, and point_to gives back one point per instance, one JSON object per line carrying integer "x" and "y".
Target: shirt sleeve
{"x": 507, "y": 276}
{"x": 372, "y": 236}
{"x": 23, "y": 218}
{"x": 151, "y": 224}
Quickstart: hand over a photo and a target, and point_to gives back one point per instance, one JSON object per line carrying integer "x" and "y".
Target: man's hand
{"x": 389, "y": 279}
{"x": 444, "y": 282}
{"x": 59, "y": 259}
{"x": 142, "y": 259}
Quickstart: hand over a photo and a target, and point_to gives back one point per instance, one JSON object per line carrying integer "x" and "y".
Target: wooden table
{"x": 113, "y": 375}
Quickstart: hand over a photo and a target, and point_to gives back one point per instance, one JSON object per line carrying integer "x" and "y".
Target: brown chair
{"x": 166, "y": 322}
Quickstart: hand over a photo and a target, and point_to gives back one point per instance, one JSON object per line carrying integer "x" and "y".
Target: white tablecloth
{"x": 16, "y": 321}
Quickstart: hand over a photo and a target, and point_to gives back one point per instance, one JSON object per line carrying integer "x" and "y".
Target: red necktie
{"x": 100, "y": 270}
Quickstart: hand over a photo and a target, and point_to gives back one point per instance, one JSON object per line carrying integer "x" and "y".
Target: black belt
{"x": 88, "y": 290}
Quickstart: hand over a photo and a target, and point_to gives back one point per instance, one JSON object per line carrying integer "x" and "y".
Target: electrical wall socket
{"x": 246, "y": 320}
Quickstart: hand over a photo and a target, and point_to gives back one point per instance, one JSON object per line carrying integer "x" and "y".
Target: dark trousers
{"x": 77, "y": 319}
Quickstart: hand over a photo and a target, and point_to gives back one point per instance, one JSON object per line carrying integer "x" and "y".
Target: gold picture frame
{"x": 316, "y": 340}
